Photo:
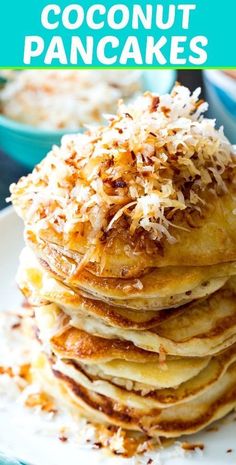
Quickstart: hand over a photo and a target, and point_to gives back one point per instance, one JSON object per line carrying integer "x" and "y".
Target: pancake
{"x": 186, "y": 418}
{"x": 191, "y": 334}
{"x": 141, "y": 396}
{"x": 154, "y": 374}
{"x": 69, "y": 342}
{"x": 211, "y": 242}
{"x": 117, "y": 317}
{"x": 159, "y": 289}
{"x": 117, "y": 358}
{"x": 204, "y": 328}
{"x": 66, "y": 341}
{"x": 173, "y": 301}
{"x": 40, "y": 288}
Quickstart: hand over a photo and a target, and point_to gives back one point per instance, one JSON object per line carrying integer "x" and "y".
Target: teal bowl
{"x": 28, "y": 145}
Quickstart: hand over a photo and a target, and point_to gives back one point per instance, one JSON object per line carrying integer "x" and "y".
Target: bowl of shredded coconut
{"x": 38, "y": 107}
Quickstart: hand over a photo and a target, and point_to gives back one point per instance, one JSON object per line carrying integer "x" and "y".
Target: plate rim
{"x": 7, "y": 211}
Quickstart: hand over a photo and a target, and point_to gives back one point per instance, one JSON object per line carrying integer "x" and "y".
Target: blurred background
{"x": 23, "y": 140}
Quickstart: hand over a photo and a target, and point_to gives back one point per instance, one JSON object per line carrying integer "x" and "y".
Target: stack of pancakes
{"x": 136, "y": 330}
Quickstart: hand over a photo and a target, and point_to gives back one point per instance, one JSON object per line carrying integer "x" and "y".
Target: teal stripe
{"x": 211, "y": 19}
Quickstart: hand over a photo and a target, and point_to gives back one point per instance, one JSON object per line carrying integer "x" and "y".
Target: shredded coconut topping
{"x": 65, "y": 99}
{"x": 157, "y": 156}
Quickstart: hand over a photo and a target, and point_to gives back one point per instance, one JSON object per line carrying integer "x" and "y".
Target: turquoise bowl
{"x": 28, "y": 145}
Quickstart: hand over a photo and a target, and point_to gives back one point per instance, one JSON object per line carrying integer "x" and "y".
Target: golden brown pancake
{"x": 79, "y": 345}
{"x": 140, "y": 395}
{"x": 185, "y": 418}
{"x": 210, "y": 242}
{"x": 204, "y": 328}
{"x": 117, "y": 356}
{"x": 159, "y": 289}
{"x": 156, "y": 375}
{"x": 41, "y": 288}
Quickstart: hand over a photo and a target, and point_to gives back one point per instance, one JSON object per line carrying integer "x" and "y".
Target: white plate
{"x": 26, "y": 437}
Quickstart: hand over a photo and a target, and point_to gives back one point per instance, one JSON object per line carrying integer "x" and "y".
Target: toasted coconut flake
{"x": 42, "y": 400}
{"x": 144, "y": 166}
{"x": 192, "y": 447}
